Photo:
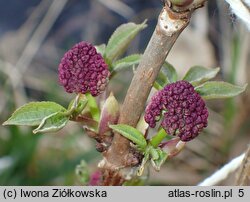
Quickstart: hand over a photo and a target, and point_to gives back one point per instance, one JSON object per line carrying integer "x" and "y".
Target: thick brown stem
{"x": 191, "y": 6}
{"x": 170, "y": 25}
{"x": 164, "y": 37}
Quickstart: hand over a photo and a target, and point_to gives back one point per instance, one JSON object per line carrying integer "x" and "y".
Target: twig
{"x": 222, "y": 174}
{"x": 155, "y": 54}
{"x": 170, "y": 25}
{"x": 243, "y": 177}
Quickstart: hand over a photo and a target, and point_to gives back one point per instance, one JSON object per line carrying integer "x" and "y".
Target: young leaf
{"x": 219, "y": 89}
{"x": 121, "y": 38}
{"x": 143, "y": 163}
{"x": 101, "y": 49}
{"x": 154, "y": 153}
{"x": 162, "y": 157}
{"x": 167, "y": 75}
{"x": 77, "y": 105}
{"x": 109, "y": 115}
{"x": 93, "y": 107}
{"x": 126, "y": 62}
{"x": 130, "y": 133}
{"x": 33, "y": 113}
{"x": 197, "y": 75}
{"x": 52, "y": 123}
{"x": 170, "y": 72}
{"x": 80, "y": 106}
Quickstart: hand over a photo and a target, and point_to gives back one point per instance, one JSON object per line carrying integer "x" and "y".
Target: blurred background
{"x": 34, "y": 34}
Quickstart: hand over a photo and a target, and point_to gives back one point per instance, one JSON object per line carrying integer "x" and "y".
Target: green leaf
{"x": 126, "y": 62}
{"x": 33, "y": 113}
{"x": 130, "y": 133}
{"x": 93, "y": 107}
{"x": 52, "y": 123}
{"x": 162, "y": 157}
{"x": 154, "y": 153}
{"x": 101, "y": 49}
{"x": 77, "y": 105}
{"x": 80, "y": 106}
{"x": 197, "y": 75}
{"x": 121, "y": 38}
{"x": 167, "y": 75}
{"x": 219, "y": 89}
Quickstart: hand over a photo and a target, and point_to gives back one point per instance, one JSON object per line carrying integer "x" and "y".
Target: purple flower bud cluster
{"x": 83, "y": 70}
{"x": 185, "y": 111}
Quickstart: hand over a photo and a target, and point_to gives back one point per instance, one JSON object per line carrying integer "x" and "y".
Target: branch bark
{"x": 243, "y": 178}
{"x": 120, "y": 155}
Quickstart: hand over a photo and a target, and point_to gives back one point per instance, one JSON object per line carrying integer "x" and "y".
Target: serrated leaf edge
{"x": 201, "y": 80}
{"x": 141, "y": 27}
{"x": 19, "y": 108}
{"x": 243, "y": 88}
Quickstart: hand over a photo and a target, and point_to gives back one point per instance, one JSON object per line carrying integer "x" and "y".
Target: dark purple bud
{"x": 186, "y": 114}
{"x": 153, "y": 110}
{"x": 83, "y": 70}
